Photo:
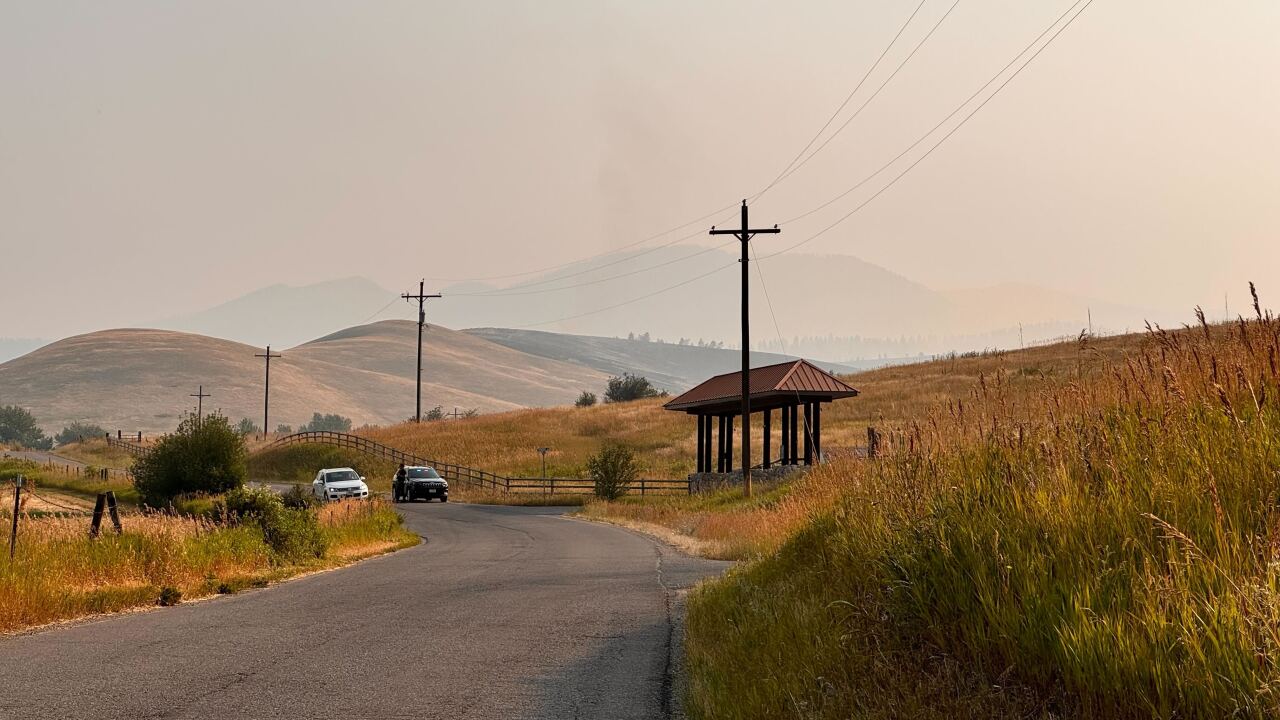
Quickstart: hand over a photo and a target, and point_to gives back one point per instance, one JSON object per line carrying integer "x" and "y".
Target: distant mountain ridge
{"x": 286, "y": 315}
{"x": 809, "y": 296}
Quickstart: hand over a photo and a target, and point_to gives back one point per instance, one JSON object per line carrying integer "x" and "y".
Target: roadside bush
{"x": 613, "y": 470}
{"x": 77, "y": 431}
{"x": 586, "y": 399}
{"x": 203, "y": 456}
{"x": 293, "y": 533}
{"x": 629, "y": 387}
{"x": 298, "y": 499}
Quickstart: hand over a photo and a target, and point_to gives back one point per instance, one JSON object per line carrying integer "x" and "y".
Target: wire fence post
{"x": 17, "y": 505}
{"x": 95, "y": 526}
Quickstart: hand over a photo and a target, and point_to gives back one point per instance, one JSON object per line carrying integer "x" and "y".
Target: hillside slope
{"x": 669, "y": 366}
{"x": 138, "y": 379}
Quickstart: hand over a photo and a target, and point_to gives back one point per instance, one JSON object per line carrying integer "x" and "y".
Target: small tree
{"x": 628, "y": 387}
{"x": 435, "y": 413}
{"x": 331, "y": 423}
{"x": 613, "y": 470}
{"x": 204, "y": 455}
{"x": 247, "y": 427}
{"x": 586, "y": 399}
{"x": 18, "y": 426}
{"x": 284, "y": 429}
{"x": 77, "y": 431}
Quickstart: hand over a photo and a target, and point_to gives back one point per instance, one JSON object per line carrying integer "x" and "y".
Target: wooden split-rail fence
{"x": 471, "y": 477}
{"x": 133, "y": 448}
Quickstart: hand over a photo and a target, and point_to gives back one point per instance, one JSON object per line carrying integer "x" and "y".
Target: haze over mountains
{"x": 835, "y": 308}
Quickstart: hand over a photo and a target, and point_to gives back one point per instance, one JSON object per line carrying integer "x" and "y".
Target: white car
{"x": 339, "y": 484}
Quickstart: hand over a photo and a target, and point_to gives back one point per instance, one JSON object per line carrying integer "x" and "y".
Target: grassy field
{"x": 59, "y": 478}
{"x": 1085, "y": 531}
{"x": 506, "y": 443}
{"x": 59, "y": 573}
{"x": 96, "y": 452}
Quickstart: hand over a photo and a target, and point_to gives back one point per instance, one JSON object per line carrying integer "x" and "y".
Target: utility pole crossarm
{"x": 266, "y": 394}
{"x": 744, "y": 235}
{"x": 422, "y": 298}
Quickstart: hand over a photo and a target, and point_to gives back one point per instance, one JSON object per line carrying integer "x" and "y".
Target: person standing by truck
{"x": 397, "y": 485}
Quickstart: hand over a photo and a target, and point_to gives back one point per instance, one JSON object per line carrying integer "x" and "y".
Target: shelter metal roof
{"x": 770, "y": 386}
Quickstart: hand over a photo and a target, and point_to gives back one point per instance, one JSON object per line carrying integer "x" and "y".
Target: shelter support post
{"x": 766, "y": 448}
{"x": 702, "y": 438}
{"x": 808, "y": 434}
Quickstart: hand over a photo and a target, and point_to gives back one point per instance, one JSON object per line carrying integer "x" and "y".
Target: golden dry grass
{"x": 59, "y": 573}
{"x": 1099, "y": 540}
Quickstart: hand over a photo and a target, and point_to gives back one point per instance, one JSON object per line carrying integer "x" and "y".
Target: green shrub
{"x": 629, "y": 387}
{"x": 613, "y": 470}
{"x": 298, "y": 499}
{"x": 293, "y": 533}
{"x": 203, "y": 456}
{"x": 331, "y": 423}
{"x": 77, "y": 431}
{"x": 586, "y": 399}
{"x": 19, "y": 427}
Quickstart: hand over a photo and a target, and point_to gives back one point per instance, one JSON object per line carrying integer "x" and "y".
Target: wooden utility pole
{"x": 199, "y": 395}
{"x": 421, "y": 297}
{"x": 744, "y": 235}
{"x": 17, "y": 506}
{"x": 266, "y": 392}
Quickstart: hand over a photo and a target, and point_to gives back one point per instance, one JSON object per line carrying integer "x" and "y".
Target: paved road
{"x": 41, "y": 456}
{"x": 503, "y": 613}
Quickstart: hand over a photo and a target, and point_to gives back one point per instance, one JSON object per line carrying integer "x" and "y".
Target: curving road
{"x": 503, "y": 613}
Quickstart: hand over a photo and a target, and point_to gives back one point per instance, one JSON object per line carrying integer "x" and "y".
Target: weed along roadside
{"x": 199, "y": 546}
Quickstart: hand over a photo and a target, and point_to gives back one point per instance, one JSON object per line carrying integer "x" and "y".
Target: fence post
{"x": 17, "y": 505}
{"x": 873, "y": 442}
{"x": 115, "y": 514}
{"x": 98, "y": 507}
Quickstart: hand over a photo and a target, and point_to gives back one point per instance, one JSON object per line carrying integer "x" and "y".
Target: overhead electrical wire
{"x": 941, "y": 122}
{"x": 628, "y": 302}
{"x": 867, "y": 102}
{"x": 518, "y": 291}
{"x": 551, "y": 268}
{"x": 527, "y": 289}
{"x": 787, "y": 170}
{"x": 944, "y": 138}
{"x": 847, "y": 99}
{"x": 949, "y": 133}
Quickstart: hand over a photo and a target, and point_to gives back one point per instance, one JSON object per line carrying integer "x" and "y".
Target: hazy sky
{"x": 157, "y": 158}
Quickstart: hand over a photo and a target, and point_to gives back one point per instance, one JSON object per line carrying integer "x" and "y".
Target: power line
{"x": 786, "y": 172}
{"x": 867, "y": 102}
{"x": 382, "y": 310}
{"x": 935, "y": 146}
{"x": 847, "y": 98}
{"x": 628, "y": 246}
{"x": 941, "y": 122}
{"x": 1054, "y": 36}
{"x": 521, "y": 291}
{"x": 626, "y": 302}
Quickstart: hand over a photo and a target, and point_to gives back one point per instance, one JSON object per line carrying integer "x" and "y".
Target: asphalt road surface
{"x": 503, "y": 613}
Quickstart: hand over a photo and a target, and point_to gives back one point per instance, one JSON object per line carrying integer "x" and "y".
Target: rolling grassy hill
{"x": 670, "y": 366}
{"x": 140, "y": 379}
{"x": 507, "y": 443}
